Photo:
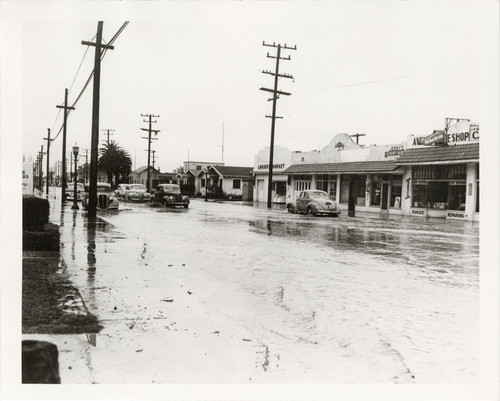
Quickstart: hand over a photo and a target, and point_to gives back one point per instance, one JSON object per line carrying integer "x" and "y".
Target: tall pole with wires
{"x": 66, "y": 108}
{"x": 150, "y": 130}
{"x": 275, "y": 97}
{"x": 107, "y": 133}
{"x": 92, "y": 206}
{"x": 48, "y": 150}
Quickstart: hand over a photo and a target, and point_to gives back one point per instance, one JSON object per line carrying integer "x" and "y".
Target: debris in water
{"x": 189, "y": 292}
{"x": 167, "y": 300}
{"x": 246, "y": 339}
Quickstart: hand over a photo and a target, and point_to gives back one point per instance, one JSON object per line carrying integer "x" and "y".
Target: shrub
{"x": 35, "y": 213}
{"x": 47, "y": 240}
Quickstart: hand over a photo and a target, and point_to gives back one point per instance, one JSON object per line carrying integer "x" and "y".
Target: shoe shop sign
{"x": 462, "y": 132}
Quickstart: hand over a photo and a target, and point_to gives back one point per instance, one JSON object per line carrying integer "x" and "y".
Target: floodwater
{"x": 236, "y": 293}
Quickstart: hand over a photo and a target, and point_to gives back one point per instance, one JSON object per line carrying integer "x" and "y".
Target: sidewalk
{"x": 155, "y": 329}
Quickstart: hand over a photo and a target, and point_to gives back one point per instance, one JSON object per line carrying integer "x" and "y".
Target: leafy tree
{"x": 114, "y": 161}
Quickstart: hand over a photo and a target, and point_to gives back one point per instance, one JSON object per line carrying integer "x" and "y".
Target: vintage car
{"x": 106, "y": 199}
{"x": 133, "y": 192}
{"x": 70, "y": 191}
{"x": 169, "y": 195}
{"x": 314, "y": 202}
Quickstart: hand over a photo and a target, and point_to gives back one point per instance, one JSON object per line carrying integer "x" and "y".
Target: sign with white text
{"x": 462, "y": 132}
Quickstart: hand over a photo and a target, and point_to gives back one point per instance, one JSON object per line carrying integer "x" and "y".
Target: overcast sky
{"x": 386, "y": 69}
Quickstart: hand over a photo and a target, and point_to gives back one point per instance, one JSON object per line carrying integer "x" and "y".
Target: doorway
{"x": 385, "y": 195}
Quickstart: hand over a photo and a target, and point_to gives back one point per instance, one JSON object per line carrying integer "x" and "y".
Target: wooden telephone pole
{"x": 150, "y": 130}
{"x": 92, "y": 206}
{"x": 63, "y": 182}
{"x": 48, "y": 150}
{"x": 108, "y": 134}
{"x": 275, "y": 97}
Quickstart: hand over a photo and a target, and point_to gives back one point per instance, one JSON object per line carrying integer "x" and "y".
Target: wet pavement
{"x": 236, "y": 293}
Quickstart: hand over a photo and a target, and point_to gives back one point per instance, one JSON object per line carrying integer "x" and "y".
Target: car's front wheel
{"x": 310, "y": 211}
{"x": 289, "y": 208}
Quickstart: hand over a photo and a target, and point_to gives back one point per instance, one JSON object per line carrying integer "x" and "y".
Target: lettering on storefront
{"x": 266, "y": 166}
{"x": 418, "y": 212}
{"x": 394, "y": 151}
{"x": 462, "y": 132}
{"x": 455, "y": 215}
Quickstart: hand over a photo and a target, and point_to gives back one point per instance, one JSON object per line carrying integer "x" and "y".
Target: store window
{"x": 333, "y": 189}
{"x": 396, "y": 192}
{"x": 322, "y": 182}
{"x": 236, "y": 184}
{"x": 376, "y": 191}
{"x": 456, "y": 197}
{"x": 344, "y": 188}
{"x": 303, "y": 182}
{"x": 361, "y": 195}
{"x": 432, "y": 195}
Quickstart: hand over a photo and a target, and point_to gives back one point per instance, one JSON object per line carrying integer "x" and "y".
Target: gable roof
{"x": 344, "y": 168}
{"x": 434, "y": 154}
{"x": 233, "y": 171}
{"x": 144, "y": 168}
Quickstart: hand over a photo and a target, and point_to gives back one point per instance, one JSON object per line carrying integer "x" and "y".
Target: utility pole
{"x": 154, "y": 151}
{"x": 86, "y": 164}
{"x": 48, "y": 150}
{"x": 150, "y": 116}
{"x": 92, "y": 206}
{"x": 108, "y": 134}
{"x": 66, "y": 108}
{"x": 357, "y": 137}
{"x": 275, "y": 97}
{"x": 40, "y": 169}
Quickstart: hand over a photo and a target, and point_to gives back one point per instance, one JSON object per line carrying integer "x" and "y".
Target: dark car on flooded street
{"x": 169, "y": 195}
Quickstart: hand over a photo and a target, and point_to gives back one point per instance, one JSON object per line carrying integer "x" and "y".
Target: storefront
{"x": 374, "y": 186}
{"x": 442, "y": 181}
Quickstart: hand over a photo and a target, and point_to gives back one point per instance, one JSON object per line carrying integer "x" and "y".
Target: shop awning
{"x": 435, "y": 154}
{"x": 368, "y": 167}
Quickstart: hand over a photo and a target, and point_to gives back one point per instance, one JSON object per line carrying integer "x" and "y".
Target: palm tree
{"x": 115, "y": 161}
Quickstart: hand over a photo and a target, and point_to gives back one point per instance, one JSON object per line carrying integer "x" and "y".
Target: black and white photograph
{"x": 250, "y": 200}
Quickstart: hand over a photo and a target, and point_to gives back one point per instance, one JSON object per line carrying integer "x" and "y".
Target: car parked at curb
{"x": 106, "y": 199}
{"x": 169, "y": 195}
{"x": 70, "y": 191}
{"x": 314, "y": 202}
{"x": 133, "y": 192}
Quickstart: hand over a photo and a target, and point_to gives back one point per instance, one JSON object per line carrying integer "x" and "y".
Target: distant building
{"x": 235, "y": 182}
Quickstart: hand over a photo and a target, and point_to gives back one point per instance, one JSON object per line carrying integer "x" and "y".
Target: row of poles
{"x": 92, "y": 205}
{"x": 99, "y": 46}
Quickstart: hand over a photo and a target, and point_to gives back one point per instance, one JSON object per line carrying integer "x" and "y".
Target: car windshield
{"x": 318, "y": 194}
{"x": 103, "y": 188}
{"x": 138, "y": 187}
{"x": 173, "y": 187}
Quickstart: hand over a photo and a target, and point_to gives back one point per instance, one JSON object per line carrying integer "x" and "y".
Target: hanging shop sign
{"x": 278, "y": 166}
{"x": 462, "y": 132}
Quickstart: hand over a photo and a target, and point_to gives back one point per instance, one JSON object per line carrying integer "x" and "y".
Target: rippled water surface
{"x": 313, "y": 299}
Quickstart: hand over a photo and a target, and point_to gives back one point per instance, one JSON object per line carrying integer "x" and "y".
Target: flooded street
{"x": 236, "y": 293}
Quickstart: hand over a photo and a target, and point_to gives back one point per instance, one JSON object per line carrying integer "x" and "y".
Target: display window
{"x": 376, "y": 191}
{"x": 361, "y": 194}
{"x": 322, "y": 182}
{"x": 333, "y": 189}
{"x": 396, "y": 192}
{"x": 456, "y": 197}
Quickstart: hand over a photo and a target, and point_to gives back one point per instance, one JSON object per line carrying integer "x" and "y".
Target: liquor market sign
{"x": 462, "y": 132}
{"x": 394, "y": 150}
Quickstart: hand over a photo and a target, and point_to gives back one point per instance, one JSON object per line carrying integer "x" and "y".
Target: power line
{"x": 92, "y": 73}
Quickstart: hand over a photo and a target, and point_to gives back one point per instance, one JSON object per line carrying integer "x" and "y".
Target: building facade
{"x": 432, "y": 176}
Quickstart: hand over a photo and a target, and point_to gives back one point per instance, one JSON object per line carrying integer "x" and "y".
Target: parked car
{"x": 314, "y": 202}
{"x": 169, "y": 195}
{"x": 70, "y": 191}
{"x": 106, "y": 199}
{"x": 133, "y": 192}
